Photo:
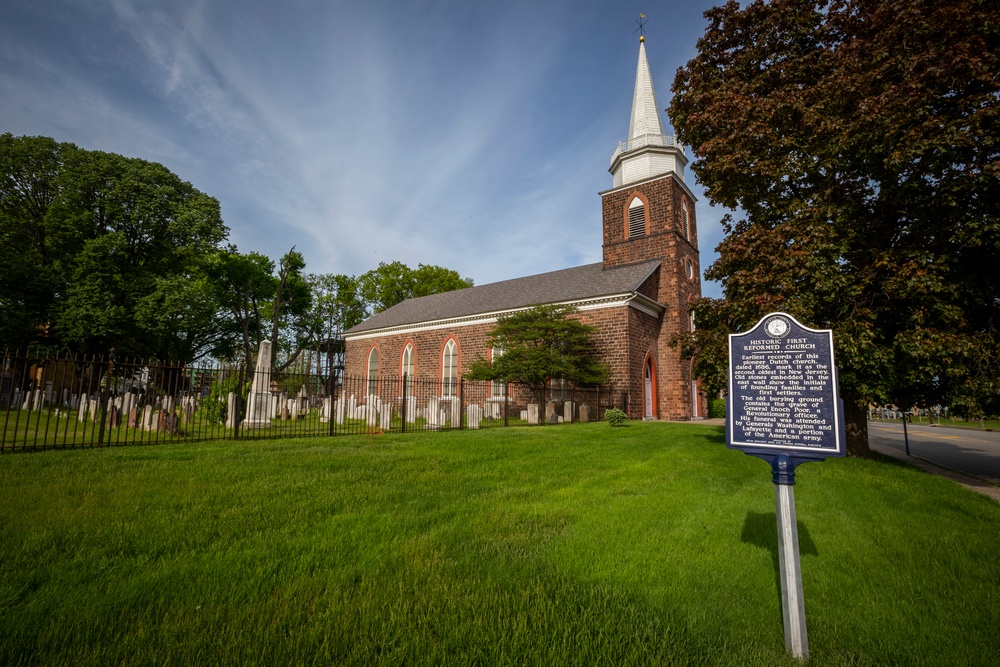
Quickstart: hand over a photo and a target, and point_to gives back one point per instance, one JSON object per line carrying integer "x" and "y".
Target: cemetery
{"x": 67, "y": 401}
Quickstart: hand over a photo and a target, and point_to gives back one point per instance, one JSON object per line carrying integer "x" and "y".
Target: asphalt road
{"x": 975, "y": 453}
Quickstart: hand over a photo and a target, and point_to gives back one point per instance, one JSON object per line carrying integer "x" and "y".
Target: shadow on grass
{"x": 761, "y": 529}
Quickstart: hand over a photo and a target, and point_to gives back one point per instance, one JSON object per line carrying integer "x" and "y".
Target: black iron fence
{"x": 56, "y": 401}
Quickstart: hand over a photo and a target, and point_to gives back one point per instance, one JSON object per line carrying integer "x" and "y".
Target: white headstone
{"x": 230, "y": 410}
{"x": 260, "y": 408}
{"x": 147, "y": 418}
{"x": 475, "y": 414}
{"x": 411, "y": 409}
{"x": 433, "y": 412}
{"x": 532, "y": 413}
{"x": 385, "y": 417}
{"x": 339, "y": 409}
{"x": 585, "y": 413}
{"x": 568, "y": 411}
{"x": 83, "y": 408}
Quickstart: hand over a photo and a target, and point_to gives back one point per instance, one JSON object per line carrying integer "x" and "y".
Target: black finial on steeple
{"x": 642, "y": 21}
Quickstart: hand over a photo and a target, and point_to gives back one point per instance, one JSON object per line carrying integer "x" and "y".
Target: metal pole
{"x": 793, "y": 610}
{"x": 906, "y": 437}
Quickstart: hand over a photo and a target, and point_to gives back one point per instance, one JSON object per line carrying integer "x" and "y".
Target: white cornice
{"x": 676, "y": 177}
{"x": 640, "y": 302}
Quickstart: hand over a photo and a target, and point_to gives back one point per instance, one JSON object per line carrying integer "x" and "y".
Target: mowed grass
{"x": 571, "y": 545}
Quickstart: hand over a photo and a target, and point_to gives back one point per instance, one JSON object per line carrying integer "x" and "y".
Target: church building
{"x": 637, "y": 297}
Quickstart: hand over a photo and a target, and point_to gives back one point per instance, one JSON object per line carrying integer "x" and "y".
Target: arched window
{"x": 449, "y": 368}
{"x": 636, "y": 218}
{"x": 407, "y": 368}
{"x": 496, "y": 387}
{"x": 373, "y": 372}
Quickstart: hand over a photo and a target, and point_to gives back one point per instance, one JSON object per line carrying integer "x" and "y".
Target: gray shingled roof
{"x": 581, "y": 282}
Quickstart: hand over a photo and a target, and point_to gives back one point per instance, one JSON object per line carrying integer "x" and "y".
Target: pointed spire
{"x": 645, "y": 114}
{"x": 647, "y": 152}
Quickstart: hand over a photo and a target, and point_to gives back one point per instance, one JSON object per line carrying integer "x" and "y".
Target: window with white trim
{"x": 373, "y": 372}
{"x": 449, "y": 369}
{"x": 636, "y": 218}
{"x": 496, "y": 386}
{"x": 407, "y": 368}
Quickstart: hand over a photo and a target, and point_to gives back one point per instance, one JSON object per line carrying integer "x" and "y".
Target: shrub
{"x": 615, "y": 417}
{"x": 717, "y": 408}
{"x": 213, "y": 407}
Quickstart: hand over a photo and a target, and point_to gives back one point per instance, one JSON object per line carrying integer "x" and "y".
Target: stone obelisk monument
{"x": 260, "y": 407}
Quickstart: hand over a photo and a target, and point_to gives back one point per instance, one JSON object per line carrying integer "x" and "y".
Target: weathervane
{"x": 642, "y": 21}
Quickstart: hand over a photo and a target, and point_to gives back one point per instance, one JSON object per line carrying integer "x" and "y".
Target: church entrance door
{"x": 648, "y": 390}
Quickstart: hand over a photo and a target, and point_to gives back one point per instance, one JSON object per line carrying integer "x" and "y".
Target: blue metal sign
{"x": 783, "y": 395}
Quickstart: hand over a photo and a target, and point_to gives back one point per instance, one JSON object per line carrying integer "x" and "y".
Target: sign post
{"x": 784, "y": 407}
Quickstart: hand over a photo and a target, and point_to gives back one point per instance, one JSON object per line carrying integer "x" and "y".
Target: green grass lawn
{"x": 573, "y": 545}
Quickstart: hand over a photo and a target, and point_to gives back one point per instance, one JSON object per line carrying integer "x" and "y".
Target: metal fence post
{"x": 461, "y": 404}
{"x": 405, "y": 401}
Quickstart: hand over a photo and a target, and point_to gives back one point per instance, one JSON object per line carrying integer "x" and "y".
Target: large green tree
{"x": 860, "y": 139}
{"x": 139, "y": 230}
{"x": 30, "y": 261}
{"x": 100, "y": 251}
{"x": 540, "y": 344}
{"x": 389, "y": 284}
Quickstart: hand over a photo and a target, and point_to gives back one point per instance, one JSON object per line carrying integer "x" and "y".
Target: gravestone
{"x": 456, "y": 412}
{"x": 532, "y": 413}
{"x": 584, "y": 413}
{"x": 339, "y": 410}
{"x": 261, "y": 406}
{"x": 550, "y": 408}
{"x": 554, "y": 418}
{"x": 372, "y": 412}
{"x": 568, "y": 411}
{"x": 385, "y": 417}
{"x": 133, "y": 417}
{"x": 147, "y": 418}
{"x": 475, "y": 415}
{"x": 411, "y": 409}
{"x": 523, "y": 416}
{"x": 83, "y": 408}
{"x": 433, "y": 410}
{"x": 303, "y": 401}
{"x": 324, "y": 413}
{"x": 230, "y": 410}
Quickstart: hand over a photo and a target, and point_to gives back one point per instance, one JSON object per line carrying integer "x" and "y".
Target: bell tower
{"x": 649, "y": 214}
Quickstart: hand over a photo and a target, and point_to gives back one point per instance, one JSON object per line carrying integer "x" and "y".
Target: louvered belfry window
{"x": 636, "y": 218}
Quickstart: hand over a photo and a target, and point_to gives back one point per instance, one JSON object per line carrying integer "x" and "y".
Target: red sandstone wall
{"x": 675, "y": 288}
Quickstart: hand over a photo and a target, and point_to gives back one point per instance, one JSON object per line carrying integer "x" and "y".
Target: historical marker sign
{"x": 783, "y": 391}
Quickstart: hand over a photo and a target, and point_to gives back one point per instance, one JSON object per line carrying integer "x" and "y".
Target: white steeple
{"x": 647, "y": 152}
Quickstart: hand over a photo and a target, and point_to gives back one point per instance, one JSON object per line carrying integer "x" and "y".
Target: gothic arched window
{"x": 636, "y": 218}
{"x": 373, "y": 372}
{"x": 449, "y": 368}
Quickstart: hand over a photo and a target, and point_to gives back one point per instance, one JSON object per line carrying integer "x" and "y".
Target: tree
{"x": 389, "y": 284}
{"x": 290, "y": 309}
{"x": 538, "y": 345}
{"x": 100, "y": 251}
{"x": 860, "y": 139}
{"x": 29, "y": 275}
{"x": 136, "y": 224}
{"x": 243, "y": 284}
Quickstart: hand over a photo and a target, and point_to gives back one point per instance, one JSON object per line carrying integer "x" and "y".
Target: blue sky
{"x": 473, "y": 135}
